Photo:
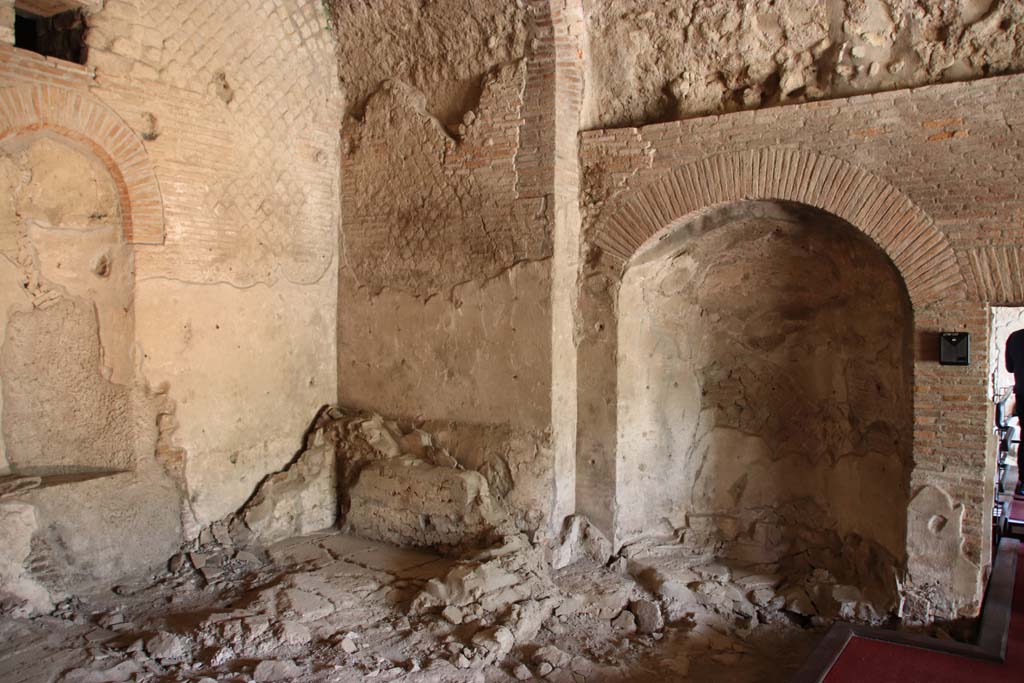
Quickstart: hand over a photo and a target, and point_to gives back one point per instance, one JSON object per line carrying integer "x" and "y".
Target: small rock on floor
{"x": 272, "y": 670}
{"x": 167, "y": 647}
{"x": 648, "y": 616}
{"x": 625, "y": 621}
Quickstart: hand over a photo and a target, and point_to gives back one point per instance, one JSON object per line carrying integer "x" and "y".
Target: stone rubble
{"x": 331, "y": 606}
{"x": 270, "y": 595}
{"x": 396, "y": 485}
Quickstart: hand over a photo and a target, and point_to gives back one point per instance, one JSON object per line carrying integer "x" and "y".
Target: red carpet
{"x": 1017, "y": 509}
{"x": 864, "y": 660}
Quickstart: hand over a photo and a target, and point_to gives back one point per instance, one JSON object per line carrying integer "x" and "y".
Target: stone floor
{"x": 333, "y": 607}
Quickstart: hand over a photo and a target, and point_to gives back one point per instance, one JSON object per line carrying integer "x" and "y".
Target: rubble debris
{"x": 648, "y": 616}
{"x": 551, "y": 655}
{"x": 626, "y": 621}
{"x": 349, "y": 645}
{"x": 18, "y": 523}
{"x": 580, "y": 539}
{"x": 408, "y": 501}
{"x": 453, "y": 614}
{"x": 269, "y": 671}
{"x": 375, "y": 610}
{"x": 377, "y": 480}
{"x": 167, "y": 648}
{"x": 297, "y": 501}
{"x": 251, "y": 594}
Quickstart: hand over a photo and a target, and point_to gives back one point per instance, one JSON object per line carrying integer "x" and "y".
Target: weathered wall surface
{"x": 236, "y": 308}
{"x": 425, "y": 212}
{"x": 658, "y": 61}
{"x": 207, "y": 337}
{"x": 446, "y": 279}
{"x": 79, "y": 428}
{"x": 243, "y": 133}
{"x": 444, "y": 298}
{"x": 70, "y": 280}
{"x": 891, "y": 164}
{"x": 441, "y": 48}
{"x": 272, "y": 351}
{"x": 765, "y": 394}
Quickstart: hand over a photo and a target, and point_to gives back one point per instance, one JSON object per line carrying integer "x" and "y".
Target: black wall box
{"x": 954, "y": 348}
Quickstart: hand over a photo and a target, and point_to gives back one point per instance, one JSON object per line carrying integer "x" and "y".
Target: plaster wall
{"x": 247, "y": 369}
{"x": 764, "y": 405}
{"x": 446, "y": 287}
{"x": 76, "y": 420}
{"x": 243, "y": 286}
{"x": 223, "y": 159}
{"x": 69, "y": 277}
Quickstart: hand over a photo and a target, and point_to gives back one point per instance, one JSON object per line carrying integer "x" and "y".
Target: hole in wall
{"x": 61, "y": 35}
{"x": 937, "y": 523}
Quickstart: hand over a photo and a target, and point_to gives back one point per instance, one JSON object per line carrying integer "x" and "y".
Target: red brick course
{"x": 932, "y": 174}
{"x": 27, "y": 109}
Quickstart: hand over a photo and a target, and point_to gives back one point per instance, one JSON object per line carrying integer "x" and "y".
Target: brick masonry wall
{"x": 462, "y": 236}
{"x": 932, "y": 174}
{"x": 951, "y": 149}
{"x": 240, "y": 99}
{"x": 567, "y": 31}
{"x": 232, "y": 110}
{"x": 242, "y": 132}
{"x": 425, "y": 211}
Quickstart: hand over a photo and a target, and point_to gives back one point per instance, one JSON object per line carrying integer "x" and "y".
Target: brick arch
{"x": 31, "y": 109}
{"x": 920, "y": 252}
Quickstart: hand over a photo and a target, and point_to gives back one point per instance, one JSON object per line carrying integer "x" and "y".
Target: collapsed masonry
{"x": 396, "y": 485}
{"x": 275, "y": 585}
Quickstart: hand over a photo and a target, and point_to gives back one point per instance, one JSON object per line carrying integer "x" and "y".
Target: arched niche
{"x": 69, "y": 394}
{"x": 764, "y": 396}
{"x": 88, "y": 123}
{"x": 620, "y": 229}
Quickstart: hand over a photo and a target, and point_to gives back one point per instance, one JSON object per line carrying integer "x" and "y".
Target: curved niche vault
{"x": 67, "y": 282}
{"x": 764, "y": 395}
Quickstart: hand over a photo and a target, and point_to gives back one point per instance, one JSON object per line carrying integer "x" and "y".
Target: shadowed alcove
{"x": 765, "y": 410}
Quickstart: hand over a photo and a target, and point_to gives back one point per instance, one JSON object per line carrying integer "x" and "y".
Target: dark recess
{"x": 61, "y": 36}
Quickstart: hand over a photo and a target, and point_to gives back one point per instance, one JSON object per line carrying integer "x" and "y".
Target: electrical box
{"x": 954, "y": 348}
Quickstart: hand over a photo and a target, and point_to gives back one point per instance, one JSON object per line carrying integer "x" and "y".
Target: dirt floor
{"x": 333, "y": 607}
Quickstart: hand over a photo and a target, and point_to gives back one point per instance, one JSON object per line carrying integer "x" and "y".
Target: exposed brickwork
{"x": 995, "y": 270}
{"x": 242, "y": 133}
{"x": 30, "y": 109}
{"x": 428, "y": 210}
{"x": 21, "y": 67}
{"x": 966, "y": 182}
{"x": 241, "y": 104}
{"x": 547, "y": 161}
{"x": 931, "y": 174}
{"x": 922, "y": 253}
{"x": 567, "y": 36}
{"x": 425, "y": 211}
{"x": 232, "y": 109}
{"x": 491, "y": 188}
